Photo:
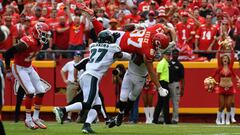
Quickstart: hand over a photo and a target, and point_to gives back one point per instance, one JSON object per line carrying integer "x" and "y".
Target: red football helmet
{"x": 42, "y": 32}
{"x": 160, "y": 41}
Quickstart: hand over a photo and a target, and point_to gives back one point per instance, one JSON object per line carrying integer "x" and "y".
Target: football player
{"x": 25, "y": 74}
{"x": 4, "y": 32}
{"x": 146, "y": 42}
{"x": 102, "y": 54}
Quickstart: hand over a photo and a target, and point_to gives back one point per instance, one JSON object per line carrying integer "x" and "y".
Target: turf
{"x": 126, "y": 129}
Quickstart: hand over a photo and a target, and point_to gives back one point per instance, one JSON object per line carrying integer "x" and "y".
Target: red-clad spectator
{"x": 113, "y": 24}
{"x": 11, "y": 40}
{"x": 206, "y": 38}
{"x": 27, "y": 26}
{"x": 10, "y": 11}
{"x": 122, "y": 12}
{"x": 185, "y": 33}
{"x": 20, "y": 27}
{"x": 37, "y": 15}
{"x": 45, "y": 12}
{"x": 151, "y": 20}
{"x": 231, "y": 9}
{"x": 61, "y": 35}
{"x": 101, "y": 13}
{"x": 52, "y": 21}
{"x": 111, "y": 7}
{"x": 205, "y": 8}
{"x": 197, "y": 16}
{"x": 27, "y": 10}
{"x": 133, "y": 17}
{"x": 76, "y": 33}
{"x": 145, "y": 5}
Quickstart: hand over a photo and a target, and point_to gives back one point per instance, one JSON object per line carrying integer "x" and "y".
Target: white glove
{"x": 162, "y": 92}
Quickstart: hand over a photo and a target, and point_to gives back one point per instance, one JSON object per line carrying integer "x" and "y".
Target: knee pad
{"x": 132, "y": 97}
{"x": 30, "y": 95}
{"x": 40, "y": 94}
{"x": 97, "y": 108}
{"x": 86, "y": 106}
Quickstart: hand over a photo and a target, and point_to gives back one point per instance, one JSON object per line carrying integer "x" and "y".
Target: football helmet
{"x": 105, "y": 36}
{"x": 42, "y": 32}
{"x": 160, "y": 41}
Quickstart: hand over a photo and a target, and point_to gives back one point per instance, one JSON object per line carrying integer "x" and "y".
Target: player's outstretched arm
{"x": 13, "y": 50}
{"x": 149, "y": 64}
{"x": 122, "y": 56}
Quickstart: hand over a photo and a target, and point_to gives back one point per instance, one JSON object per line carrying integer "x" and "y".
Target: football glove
{"x": 162, "y": 92}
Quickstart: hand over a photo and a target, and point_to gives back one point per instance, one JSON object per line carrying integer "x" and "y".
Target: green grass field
{"x": 126, "y": 129}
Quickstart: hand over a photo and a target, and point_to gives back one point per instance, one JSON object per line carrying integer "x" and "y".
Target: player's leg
{"x": 150, "y": 104}
{"x": 145, "y": 103}
{"x": 20, "y": 95}
{"x": 39, "y": 94}
{"x": 127, "y": 86}
{"x": 91, "y": 102}
{"x": 22, "y": 76}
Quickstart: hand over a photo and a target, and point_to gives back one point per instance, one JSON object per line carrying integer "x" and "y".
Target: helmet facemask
{"x": 44, "y": 36}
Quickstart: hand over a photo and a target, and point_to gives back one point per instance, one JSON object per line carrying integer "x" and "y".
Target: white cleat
{"x": 39, "y": 123}
{"x": 30, "y": 124}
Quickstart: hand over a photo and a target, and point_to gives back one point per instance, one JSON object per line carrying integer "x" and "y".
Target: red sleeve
{"x": 98, "y": 27}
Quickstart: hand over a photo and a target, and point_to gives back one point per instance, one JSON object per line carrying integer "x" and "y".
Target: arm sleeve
{"x": 82, "y": 64}
{"x": 9, "y": 55}
{"x": 98, "y": 27}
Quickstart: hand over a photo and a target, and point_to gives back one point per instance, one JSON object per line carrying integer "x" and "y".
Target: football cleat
{"x": 233, "y": 120}
{"x": 87, "y": 129}
{"x": 30, "y": 124}
{"x": 117, "y": 121}
{"x": 40, "y": 124}
{"x": 59, "y": 114}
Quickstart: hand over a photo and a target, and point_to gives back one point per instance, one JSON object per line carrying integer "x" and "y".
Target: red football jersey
{"x": 206, "y": 35}
{"x": 184, "y": 31}
{"x": 140, "y": 41}
{"x": 25, "y": 58}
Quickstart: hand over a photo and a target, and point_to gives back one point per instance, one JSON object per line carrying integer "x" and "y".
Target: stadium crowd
{"x": 198, "y": 24}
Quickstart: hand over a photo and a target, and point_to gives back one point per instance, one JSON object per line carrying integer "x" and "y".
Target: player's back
{"x": 101, "y": 57}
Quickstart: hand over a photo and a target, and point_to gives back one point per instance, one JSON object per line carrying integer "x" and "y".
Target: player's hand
{"x": 117, "y": 55}
{"x": 162, "y": 92}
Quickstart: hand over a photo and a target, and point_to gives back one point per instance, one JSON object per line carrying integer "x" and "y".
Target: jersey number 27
{"x": 97, "y": 55}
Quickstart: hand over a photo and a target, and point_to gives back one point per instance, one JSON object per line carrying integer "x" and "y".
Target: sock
{"x": 74, "y": 107}
{"x": 232, "y": 112}
{"x": 128, "y": 107}
{"x": 103, "y": 113}
{"x": 151, "y": 112}
{"x": 2, "y": 131}
{"x": 36, "y": 113}
{"x": 92, "y": 115}
{"x": 38, "y": 103}
{"x": 28, "y": 105}
{"x": 122, "y": 106}
{"x": 146, "y": 111}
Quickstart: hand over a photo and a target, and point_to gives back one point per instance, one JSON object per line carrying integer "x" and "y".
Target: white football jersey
{"x": 101, "y": 58}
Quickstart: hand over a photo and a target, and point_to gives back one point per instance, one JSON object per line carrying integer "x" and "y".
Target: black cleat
{"x": 117, "y": 121}
{"x": 59, "y": 113}
{"x": 86, "y": 129}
